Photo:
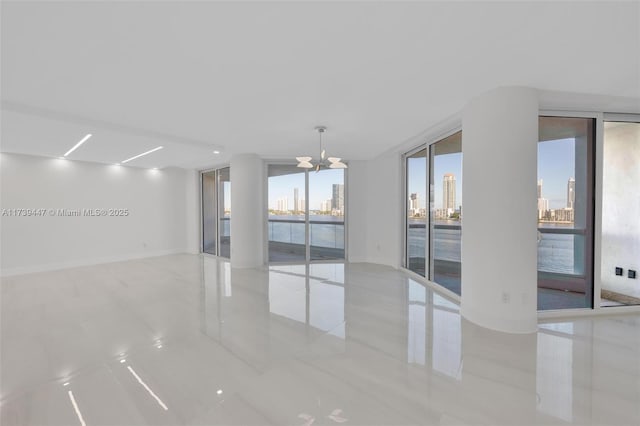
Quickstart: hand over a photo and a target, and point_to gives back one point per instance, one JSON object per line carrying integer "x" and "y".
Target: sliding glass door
{"x": 416, "y": 211}
{"x": 216, "y": 212}
{"x": 209, "y": 229}
{"x": 565, "y": 212}
{"x": 445, "y": 225}
{"x": 434, "y": 218}
{"x": 224, "y": 211}
{"x": 305, "y": 214}
{"x": 287, "y": 214}
{"x": 326, "y": 215}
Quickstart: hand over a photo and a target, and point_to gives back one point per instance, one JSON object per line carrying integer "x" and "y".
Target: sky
{"x": 556, "y": 164}
{"x": 320, "y": 187}
{"x": 443, "y": 164}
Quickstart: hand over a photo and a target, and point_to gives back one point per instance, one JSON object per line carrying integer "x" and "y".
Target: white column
{"x": 499, "y": 227}
{"x": 247, "y": 211}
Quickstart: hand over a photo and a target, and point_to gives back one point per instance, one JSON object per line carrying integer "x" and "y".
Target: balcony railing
{"x": 287, "y": 239}
{"x": 556, "y": 246}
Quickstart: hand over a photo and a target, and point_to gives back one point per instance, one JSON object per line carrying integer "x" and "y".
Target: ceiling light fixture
{"x": 78, "y": 144}
{"x": 216, "y": 152}
{"x": 140, "y": 155}
{"x": 323, "y": 162}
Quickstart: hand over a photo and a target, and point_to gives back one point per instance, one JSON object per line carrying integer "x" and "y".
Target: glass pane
{"x": 287, "y": 205}
{"x": 565, "y": 212}
{"x": 446, "y": 212}
{"x": 224, "y": 212}
{"x": 209, "y": 212}
{"x": 416, "y": 233}
{"x": 620, "y": 213}
{"x": 326, "y": 214}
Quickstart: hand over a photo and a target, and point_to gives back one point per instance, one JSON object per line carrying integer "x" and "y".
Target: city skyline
{"x": 443, "y": 164}
{"x": 320, "y": 188}
{"x": 556, "y": 165}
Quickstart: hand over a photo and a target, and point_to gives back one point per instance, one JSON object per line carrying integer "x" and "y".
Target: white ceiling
{"x": 257, "y": 77}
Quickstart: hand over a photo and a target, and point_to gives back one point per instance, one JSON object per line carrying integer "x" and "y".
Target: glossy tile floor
{"x": 186, "y": 340}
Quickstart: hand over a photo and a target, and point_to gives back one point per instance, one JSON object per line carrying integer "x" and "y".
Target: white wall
{"x": 193, "y": 211}
{"x": 374, "y": 215}
{"x": 357, "y": 210}
{"x": 499, "y": 265}
{"x": 156, "y": 224}
{"x": 621, "y": 207}
{"x": 247, "y": 207}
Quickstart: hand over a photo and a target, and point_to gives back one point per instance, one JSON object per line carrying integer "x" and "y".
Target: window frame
{"x": 265, "y": 209}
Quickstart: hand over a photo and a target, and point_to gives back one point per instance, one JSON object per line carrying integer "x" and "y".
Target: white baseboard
{"x": 8, "y": 272}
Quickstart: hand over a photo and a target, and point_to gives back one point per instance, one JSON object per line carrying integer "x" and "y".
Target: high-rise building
{"x": 413, "y": 204}
{"x": 543, "y": 203}
{"x": 449, "y": 192}
{"x": 296, "y": 204}
{"x": 325, "y": 206}
{"x": 337, "y": 201}
{"x": 301, "y": 205}
{"x": 539, "y": 188}
{"x": 571, "y": 193}
{"x": 283, "y": 204}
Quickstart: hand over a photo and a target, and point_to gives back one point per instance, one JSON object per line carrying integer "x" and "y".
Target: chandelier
{"x": 323, "y": 162}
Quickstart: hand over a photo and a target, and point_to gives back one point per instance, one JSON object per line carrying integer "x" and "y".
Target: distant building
{"x": 337, "y": 201}
{"x": 296, "y": 201}
{"x": 543, "y": 206}
{"x": 539, "y": 188}
{"x": 571, "y": 193}
{"x": 564, "y": 215}
{"x": 441, "y": 214}
{"x": 543, "y": 203}
{"x": 414, "y": 208}
{"x": 325, "y": 206}
{"x": 449, "y": 192}
{"x": 283, "y": 204}
{"x": 301, "y": 205}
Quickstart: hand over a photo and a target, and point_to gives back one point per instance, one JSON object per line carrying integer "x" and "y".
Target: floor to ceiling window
{"x": 416, "y": 211}
{"x": 287, "y": 213}
{"x": 224, "y": 211}
{"x": 306, "y": 214}
{"x": 326, "y": 214}
{"x": 438, "y": 211}
{"x": 216, "y": 212}
{"x": 620, "y": 258}
{"x": 565, "y": 212}
{"x": 445, "y": 227}
{"x": 209, "y": 228}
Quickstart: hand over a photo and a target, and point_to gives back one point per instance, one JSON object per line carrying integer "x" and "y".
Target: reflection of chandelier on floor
{"x": 322, "y": 163}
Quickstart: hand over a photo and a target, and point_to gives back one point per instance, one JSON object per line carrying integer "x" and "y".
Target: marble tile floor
{"x": 184, "y": 339}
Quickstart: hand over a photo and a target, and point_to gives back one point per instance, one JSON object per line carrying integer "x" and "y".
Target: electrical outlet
{"x": 631, "y": 273}
{"x": 619, "y": 271}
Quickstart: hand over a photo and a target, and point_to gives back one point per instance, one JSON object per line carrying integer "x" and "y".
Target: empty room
{"x": 319, "y": 213}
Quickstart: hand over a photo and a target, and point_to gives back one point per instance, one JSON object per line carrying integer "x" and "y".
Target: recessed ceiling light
{"x": 219, "y": 392}
{"x": 78, "y": 144}
{"x": 140, "y": 155}
{"x": 216, "y": 152}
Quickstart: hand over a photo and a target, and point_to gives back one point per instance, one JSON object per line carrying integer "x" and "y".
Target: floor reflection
{"x": 189, "y": 340}
{"x": 367, "y": 328}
